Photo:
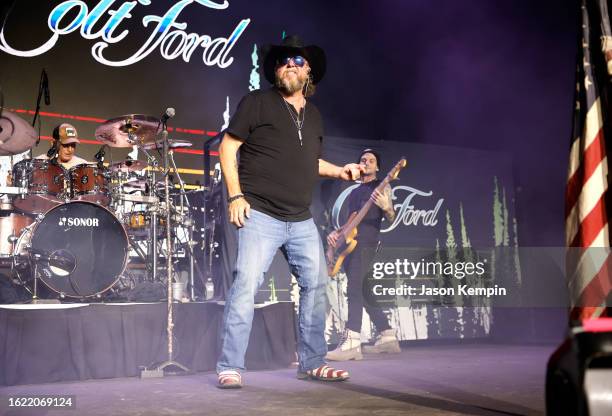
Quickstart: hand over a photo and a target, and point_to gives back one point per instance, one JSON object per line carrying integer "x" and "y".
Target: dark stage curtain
{"x": 108, "y": 341}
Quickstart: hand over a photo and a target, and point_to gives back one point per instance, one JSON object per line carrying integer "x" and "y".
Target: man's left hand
{"x": 351, "y": 172}
{"x": 382, "y": 200}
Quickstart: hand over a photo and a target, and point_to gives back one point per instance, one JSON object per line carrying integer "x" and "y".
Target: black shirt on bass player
{"x": 369, "y": 229}
{"x": 277, "y": 174}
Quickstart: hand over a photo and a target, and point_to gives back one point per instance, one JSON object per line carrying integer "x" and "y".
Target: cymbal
{"x": 172, "y": 144}
{"x": 128, "y": 166}
{"x": 16, "y": 135}
{"x": 129, "y": 130}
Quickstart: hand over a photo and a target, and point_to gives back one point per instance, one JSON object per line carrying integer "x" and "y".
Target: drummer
{"x": 65, "y": 139}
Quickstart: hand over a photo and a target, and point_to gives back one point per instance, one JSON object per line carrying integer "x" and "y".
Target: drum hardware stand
{"x": 153, "y": 237}
{"x": 190, "y": 243}
{"x": 158, "y": 370}
{"x": 138, "y": 250}
{"x": 34, "y": 267}
{"x": 208, "y": 189}
{"x": 153, "y": 230}
{"x": 35, "y": 299}
{"x": 209, "y": 238}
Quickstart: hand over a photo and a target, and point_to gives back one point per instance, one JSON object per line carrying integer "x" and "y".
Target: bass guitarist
{"x": 349, "y": 347}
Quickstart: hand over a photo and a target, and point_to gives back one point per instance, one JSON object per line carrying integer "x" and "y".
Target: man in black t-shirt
{"x": 278, "y": 134}
{"x": 358, "y": 263}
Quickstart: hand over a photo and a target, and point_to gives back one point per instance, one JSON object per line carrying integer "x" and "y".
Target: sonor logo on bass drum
{"x": 79, "y": 222}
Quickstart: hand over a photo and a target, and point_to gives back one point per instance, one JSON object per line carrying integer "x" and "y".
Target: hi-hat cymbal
{"x": 172, "y": 144}
{"x": 130, "y": 130}
{"x": 128, "y": 166}
{"x": 16, "y": 135}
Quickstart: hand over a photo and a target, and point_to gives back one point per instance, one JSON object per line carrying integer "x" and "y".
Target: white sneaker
{"x": 349, "y": 347}
{"x": 386, "y": 341}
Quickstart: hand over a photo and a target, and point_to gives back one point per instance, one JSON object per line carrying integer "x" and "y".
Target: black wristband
{"x": 235, "y": 197}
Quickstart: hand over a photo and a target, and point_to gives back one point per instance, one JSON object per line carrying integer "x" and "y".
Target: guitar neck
{"x": 365, "y": 208}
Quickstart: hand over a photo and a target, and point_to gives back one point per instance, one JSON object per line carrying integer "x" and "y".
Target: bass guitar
{"x": 346, "y": 242}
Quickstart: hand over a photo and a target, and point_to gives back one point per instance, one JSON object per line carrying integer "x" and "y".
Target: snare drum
{"x": 44, "y": 181}
{"x": 89, "y": 183}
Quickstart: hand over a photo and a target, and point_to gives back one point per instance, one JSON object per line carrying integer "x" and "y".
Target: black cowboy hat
{"x": 291, "y": 46}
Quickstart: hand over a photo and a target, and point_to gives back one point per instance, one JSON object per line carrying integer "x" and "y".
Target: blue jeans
{"x": 258, "y": 242}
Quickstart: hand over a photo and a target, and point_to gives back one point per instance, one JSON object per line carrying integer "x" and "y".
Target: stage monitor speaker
{"x": 579, "y": 372}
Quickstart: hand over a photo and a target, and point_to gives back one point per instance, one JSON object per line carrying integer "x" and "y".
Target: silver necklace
{"x": 296, "y": 120}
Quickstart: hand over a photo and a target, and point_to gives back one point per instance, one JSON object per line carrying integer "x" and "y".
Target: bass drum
{"x": 80, "y": 249}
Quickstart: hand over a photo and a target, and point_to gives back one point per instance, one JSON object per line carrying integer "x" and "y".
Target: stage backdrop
{"x": 109, "y": 58}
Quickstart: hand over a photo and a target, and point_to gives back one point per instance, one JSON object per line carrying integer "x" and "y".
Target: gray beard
{"x": 288, "y": 86}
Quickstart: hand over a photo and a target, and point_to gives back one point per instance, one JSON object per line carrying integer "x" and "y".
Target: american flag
{"x": 589, "y": 264}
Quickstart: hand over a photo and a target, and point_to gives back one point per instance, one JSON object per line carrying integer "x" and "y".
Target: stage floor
{"x": 486, "y": 379}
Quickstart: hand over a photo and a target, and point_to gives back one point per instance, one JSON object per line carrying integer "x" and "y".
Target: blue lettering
{"x": 60, "y": 12}
{"x": 93, "y": 18}
{"x": 168, "y": 35}
{"x": 117, "y": 17}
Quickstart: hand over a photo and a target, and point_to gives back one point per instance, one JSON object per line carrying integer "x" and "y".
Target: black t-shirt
{"x": 277, "y": 174}
{"x": 369, "y": 228}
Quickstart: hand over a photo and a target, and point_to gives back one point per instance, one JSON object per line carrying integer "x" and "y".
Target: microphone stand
{"x": 37, "y": 111}
{"x": 158, "y": 370}
{"x": 40, "y": 94}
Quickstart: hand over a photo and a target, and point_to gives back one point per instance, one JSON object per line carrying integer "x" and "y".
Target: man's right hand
{"x": 239, "y": 210}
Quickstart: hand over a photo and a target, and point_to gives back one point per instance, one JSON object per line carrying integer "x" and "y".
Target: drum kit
{"x": 77, "y": 231}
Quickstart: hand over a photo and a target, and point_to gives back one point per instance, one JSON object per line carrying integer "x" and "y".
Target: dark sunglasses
{"x": 297, "y": 60}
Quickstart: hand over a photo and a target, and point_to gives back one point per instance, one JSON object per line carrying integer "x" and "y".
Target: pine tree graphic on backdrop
{"x": 452, "y": 322}
{"x": 434, "y": 307}
{"x": 451, "y": 252}
{"x": 477, "y": 314}
{"x": 467, "y": 256}
{"x": 506, "y": 228}
{"x": 451, "y": 245}
{"x": 272, "y": 286}
{"x": 517, "y": 261}
{"x": 466, "y": 244}
{"x": 498, "y": 215}
{"x": 254, "y": 79}
{"x": 403, "y": 311}
{"x": 505, "y": 264}
{"x": 498, "y": 226}
{"x": 226, "y": 114}
{"x": 337, "y": 309}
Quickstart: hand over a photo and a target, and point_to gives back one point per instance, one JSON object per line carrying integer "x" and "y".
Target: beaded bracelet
{"x": 235, "y": 197}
